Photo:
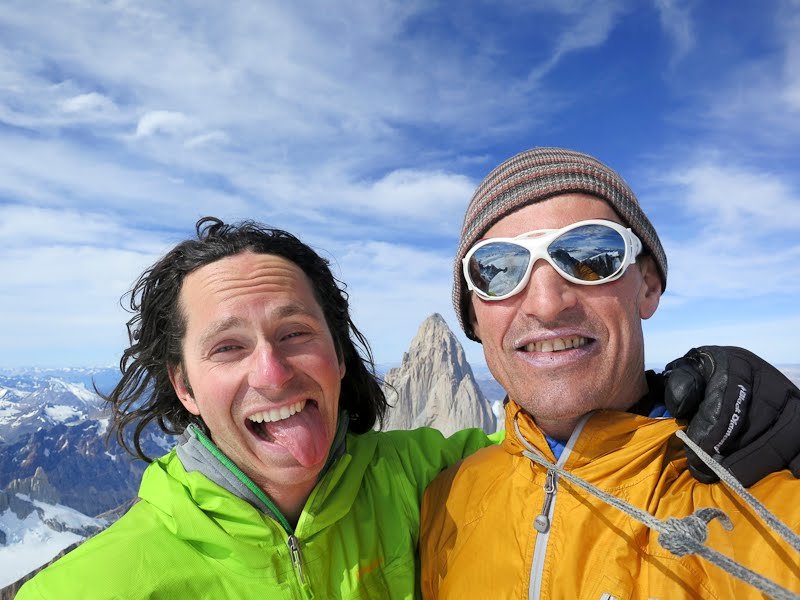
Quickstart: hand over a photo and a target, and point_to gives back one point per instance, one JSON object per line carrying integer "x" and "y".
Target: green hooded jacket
{"x": 202, "y": 529}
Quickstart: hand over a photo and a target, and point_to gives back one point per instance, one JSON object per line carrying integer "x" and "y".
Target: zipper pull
{"x": 542, "y": 522}
{"x": 297, "y": 558}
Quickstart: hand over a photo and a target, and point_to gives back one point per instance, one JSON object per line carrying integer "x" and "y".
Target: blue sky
{"x": 364, "y": 127}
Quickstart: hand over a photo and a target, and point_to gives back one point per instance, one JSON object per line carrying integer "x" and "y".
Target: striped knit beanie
{"x": 536, "y": 175}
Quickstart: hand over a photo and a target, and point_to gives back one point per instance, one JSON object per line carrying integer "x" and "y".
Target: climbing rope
{"x": 680, "y": 536}
{"x": 785, "y": 532}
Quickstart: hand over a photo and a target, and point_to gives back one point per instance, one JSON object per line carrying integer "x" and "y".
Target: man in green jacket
{"x": 279, "y": 486}
{"x": 242, "y": 341}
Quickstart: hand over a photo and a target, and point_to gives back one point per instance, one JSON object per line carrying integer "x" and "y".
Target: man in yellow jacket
{"x": 557, "y": 267}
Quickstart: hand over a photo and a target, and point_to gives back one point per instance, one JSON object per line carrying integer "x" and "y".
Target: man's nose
{"x": 271, "y": 369}
{"x": 547, "y": 294}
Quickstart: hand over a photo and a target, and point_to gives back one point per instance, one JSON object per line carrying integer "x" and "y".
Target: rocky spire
{"x": 434, "y": 386}
{"x": 37, "y": 487}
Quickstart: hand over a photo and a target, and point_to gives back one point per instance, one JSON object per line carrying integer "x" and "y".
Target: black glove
{"x": 741, "y": 410}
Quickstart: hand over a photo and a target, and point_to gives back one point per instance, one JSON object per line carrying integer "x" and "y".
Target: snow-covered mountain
{"x": 57, "y": 423}
{"x": 34, "y": 527}
{"x": 51, "y": 403}
{"x": 58, "y": 475}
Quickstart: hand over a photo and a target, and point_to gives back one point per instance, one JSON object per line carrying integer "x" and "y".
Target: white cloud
{"x": 393, "y": 288}
{"x": 789, "y": 28}
{"x": 594, "y": 23}
{"x": 264, "y": 103}
{"x": 244, "y": 68}
{"x": 100, "y": 182}
{"x": 750, "y": 100}
{"x": 22, "y": 226}
{"x": 432, "y": 198}
{"x": 83, "y": 103}
{"x": 63, "y": 305}
{"x": 735, "y": 232}
{"x": 204, "y": 139}
{"x": 590, "y": 25}
{"x": 394, "y": 267}
{"x": 363, "y": 129}
{"x": 64, "y": 273}
{"x": 162, "y": 121}
{"x": 676, "y": 22}
{"x": 731, "y": 197}
{"x": 723, "y": 266}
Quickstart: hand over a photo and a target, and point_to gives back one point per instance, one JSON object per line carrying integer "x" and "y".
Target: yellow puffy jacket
{"x": 479, "y": 535}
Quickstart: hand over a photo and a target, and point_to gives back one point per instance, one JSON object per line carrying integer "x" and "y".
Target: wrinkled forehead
{"x": 265, "y": 282}
{"x": 552, "y": 213}
{"x": 247, "y": 272}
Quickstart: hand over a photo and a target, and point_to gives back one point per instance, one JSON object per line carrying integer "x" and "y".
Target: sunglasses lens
{"x": 496, "y": 268}
{"x": 589, "y": 253}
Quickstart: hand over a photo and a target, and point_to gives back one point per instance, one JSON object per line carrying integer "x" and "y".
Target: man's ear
{"x": 650, "y": 292}
{"x": 183, "y": 390}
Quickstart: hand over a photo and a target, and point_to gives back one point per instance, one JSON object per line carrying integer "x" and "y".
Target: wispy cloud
{"x": 789, "y": 31}
{"x": 735, "y": 199}
{"x": 92, "y": 104}
{"x": 364, "y": 130}
{"x": 587, "y": 25}
{"x": 747, "y": 99}
{"x": 23, "y": 226}
{"x": 734, "y": 231}
{"x": 676, "y": 21}
{"x": 162, "y": 122}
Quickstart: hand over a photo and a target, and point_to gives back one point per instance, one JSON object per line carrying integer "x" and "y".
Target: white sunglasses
{"x": 587, "y": 253}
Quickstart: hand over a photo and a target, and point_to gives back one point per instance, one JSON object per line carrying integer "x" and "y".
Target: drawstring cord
{"x": 681, "y": 536}
{"x": 785, "y": 532}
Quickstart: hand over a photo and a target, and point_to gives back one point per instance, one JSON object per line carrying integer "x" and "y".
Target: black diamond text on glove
{"x": 740, "y": 409}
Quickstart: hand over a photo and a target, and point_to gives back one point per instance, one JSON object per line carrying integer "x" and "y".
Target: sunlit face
{"x": 562, "y": 349}
{"x": 262, "y": 368}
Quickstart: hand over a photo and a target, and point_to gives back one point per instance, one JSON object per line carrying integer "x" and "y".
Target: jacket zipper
{"x": 542, "y": 525}
{"x": 544, "y": 519}
{"x": 542, "y": 522}
{"x": 297, "y": 558}
{"x": 292, "y": 542}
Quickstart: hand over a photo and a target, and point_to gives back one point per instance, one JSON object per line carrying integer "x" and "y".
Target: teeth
{"x": 278, "y": 414}
{"x": 556, "y": 344}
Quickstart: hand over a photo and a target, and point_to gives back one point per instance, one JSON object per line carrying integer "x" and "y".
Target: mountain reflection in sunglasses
{"x": 587, "y": 252}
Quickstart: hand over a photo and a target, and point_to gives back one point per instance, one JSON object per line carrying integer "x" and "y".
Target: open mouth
{"x": 556, "y": 344}
{"x": 258, "y": 422}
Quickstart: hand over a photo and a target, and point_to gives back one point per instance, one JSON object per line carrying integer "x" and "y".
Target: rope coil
{"x": 686, "y": 536}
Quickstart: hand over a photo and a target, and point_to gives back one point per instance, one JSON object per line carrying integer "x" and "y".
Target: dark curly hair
{"x": 144, "y": 394}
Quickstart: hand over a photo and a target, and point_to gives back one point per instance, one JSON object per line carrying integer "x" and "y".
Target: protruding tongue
{"x": 303, "y": 435}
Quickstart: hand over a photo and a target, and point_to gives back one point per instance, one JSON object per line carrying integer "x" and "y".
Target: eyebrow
{"x": 282, "y": 312}
{"x": 218, "y": 327}
{"x": 289, "y": 310}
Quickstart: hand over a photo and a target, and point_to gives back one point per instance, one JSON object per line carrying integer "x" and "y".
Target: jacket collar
{"x": 597, "y": 435}
{"x": 198, "y": 453}
{"x": 527, "y": 428}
